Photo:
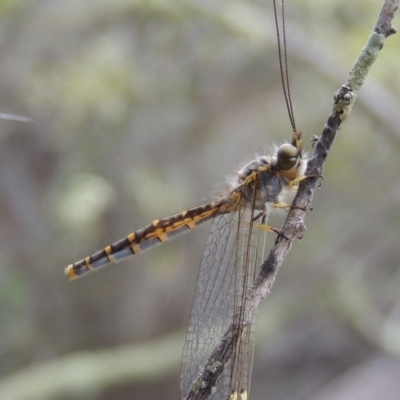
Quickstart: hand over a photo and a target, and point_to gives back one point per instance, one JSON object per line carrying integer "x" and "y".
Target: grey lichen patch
{"x": 367, "y": 57}
{"x": 344, "y": 99}
{"x": 197, "y": 385}
{"x": 214, "y": 366}
{"x": 347, "y": 95}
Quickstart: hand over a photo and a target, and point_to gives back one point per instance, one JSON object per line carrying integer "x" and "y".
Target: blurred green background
{"x": 139, "y": 110}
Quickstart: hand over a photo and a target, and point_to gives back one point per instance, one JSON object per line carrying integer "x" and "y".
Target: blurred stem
{"x": 87, "y": 373}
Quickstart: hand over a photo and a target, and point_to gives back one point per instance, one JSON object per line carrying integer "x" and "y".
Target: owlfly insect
{"x": 233, "y": 251}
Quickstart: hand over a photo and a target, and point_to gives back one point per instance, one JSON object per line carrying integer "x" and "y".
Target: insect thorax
{"x": 262, "y": 182}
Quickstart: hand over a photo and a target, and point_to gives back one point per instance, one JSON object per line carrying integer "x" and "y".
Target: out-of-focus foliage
{"x": 140, "y": 109}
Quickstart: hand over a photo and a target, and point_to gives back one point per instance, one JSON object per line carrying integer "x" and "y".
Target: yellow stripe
{"x": 191, "y": 224}
{"x": 136, "y": 248}
{"x": 87, "y": 261}
{"x": 154, "y": 234}
{"x": 163, "y": 237}
{"x": 69, "y": 271}
{"x": 110, "y": 258}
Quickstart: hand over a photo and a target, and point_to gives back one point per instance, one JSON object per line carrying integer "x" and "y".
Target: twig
{"x": 343, "y": 101}
{"x": 13, "y": 117}
{"x": 294, "y": 225}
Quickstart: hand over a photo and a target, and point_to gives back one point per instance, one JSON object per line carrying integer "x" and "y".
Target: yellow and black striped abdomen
{"x": 157, "y": 232}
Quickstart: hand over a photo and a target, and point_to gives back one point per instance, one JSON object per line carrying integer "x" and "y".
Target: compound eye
{"x": 288, "y": 156}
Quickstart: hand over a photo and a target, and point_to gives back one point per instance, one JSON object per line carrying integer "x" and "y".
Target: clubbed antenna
{"x": 283, "y": 64}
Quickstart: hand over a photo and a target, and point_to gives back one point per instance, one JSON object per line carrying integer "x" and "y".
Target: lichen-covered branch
{"x": 343, "y": 101}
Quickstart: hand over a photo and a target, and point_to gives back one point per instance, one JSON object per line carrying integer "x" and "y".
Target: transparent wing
{"x": 227, "y": 270}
